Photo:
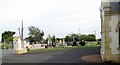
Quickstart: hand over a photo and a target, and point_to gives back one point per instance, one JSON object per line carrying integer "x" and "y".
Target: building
{"x": 110, "y": 30}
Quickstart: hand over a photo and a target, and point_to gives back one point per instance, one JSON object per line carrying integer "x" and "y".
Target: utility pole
{"x": 95, "y": 34}
{"x": 4, "y": 44}
{"x": 73, "y": 37}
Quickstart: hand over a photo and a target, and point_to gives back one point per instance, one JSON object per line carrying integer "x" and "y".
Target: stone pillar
{"x": 106, "y": 29}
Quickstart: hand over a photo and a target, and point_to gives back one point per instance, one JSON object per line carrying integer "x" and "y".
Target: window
{"x": 119, "y": 6}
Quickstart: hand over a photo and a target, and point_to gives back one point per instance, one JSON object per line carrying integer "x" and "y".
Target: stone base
{"x": 22, "y": 51}
{"x": 115, "y": 58}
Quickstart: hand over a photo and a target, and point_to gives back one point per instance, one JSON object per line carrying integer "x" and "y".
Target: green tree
{"x": 92, "y": 37}
{"x": 72, "y": 37}
{"x": 7, "y": 36}
{"x": 89, "y": 37}
{"x": 77, "y": 37}
{"x": 68, "y": 38}
{"x": 36, "y": 34}
{"x": 84, "y": 37}
{"x": 53, "y": 40}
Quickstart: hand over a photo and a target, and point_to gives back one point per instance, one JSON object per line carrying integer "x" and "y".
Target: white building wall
{"x": 102, "y": 38}
{"x": 113, "y": 34}
{"x": 102, "y": 45}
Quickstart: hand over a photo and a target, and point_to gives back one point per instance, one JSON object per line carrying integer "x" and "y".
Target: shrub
{"x": 74, "y": 44}
{"x": 82, "y": 43}
{"x": 6, "y": 46}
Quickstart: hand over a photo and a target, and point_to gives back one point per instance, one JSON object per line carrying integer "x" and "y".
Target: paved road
{"x": 7, "y": 52}
{"x": 61, "y": 56}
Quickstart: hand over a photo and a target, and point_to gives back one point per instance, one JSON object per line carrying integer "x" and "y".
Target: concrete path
{"x": 61, "y": 56}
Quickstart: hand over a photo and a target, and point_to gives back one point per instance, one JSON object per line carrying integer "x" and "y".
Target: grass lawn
{"x": 85, "y": 46}
{"x": 49, "y": 49}
{"x": 62, "y": 48}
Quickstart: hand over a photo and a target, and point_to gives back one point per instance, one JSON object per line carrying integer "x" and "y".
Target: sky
{"x": 55, "y": 17}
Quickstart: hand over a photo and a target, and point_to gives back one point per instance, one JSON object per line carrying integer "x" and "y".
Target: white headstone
{"x": 64, "y": 43}
{"x": 49, "y": 40}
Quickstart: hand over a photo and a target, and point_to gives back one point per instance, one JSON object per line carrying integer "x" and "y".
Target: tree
{"x": 68, "y": 38}
{"x": 84, "y": 37}
{"x": 92, "y": 37}
{"x": 89, "y": 37}
{"x": 53, "y": 40}
{"x": 72, "y": 37}
{"x": 36, "y": 35}
{"x": 7, "y": 36}
{"x": 77, "y": 37}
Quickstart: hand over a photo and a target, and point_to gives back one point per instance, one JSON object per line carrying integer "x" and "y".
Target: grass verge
{"x": 61, "y": 48}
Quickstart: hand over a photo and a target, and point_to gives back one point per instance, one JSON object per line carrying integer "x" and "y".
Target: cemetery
{"x": 22, "y": 46}
{"x": 107, "y": 47}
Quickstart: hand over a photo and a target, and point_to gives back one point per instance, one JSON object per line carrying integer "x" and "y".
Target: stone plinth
{"x": 18, "y": 46}
{"x": 21, "y": 51}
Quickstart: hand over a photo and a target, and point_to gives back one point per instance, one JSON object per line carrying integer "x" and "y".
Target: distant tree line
{"x": 77, "y": 37}
{"x": 36, "y": 35}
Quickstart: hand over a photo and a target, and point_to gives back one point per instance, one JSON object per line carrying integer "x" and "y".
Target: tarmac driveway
{"x": 59, "y": 56}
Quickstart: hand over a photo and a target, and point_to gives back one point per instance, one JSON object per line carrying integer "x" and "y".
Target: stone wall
{"x": 36, "y": 46}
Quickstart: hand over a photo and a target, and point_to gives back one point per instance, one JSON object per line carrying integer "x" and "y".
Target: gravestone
{"x": 49, "y": 40}
{"x": 64, "y": 43}
{"x": 60, "y": 43}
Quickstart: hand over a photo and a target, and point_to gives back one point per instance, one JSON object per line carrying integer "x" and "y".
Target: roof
{"x": 115, "y": 6}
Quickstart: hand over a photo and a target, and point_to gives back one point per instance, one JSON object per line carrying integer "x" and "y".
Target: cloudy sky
{"x": 55, "y": 17}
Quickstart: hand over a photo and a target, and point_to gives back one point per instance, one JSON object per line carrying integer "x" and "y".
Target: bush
{"x": 82, "y": 43}
{"x": 74, "y": 44}
{"x": 98, "y": 43}
{"x": 6, "y": 46}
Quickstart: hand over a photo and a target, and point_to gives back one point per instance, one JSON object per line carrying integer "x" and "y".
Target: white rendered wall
{"x": 102, "y": 45}
{"x": 102, "y": 38}
{"x": 113, "y": 34}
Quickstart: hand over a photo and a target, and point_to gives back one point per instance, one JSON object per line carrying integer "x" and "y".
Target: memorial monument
{"x": 18, "y": 43}
{"x": 49, "y": 40}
